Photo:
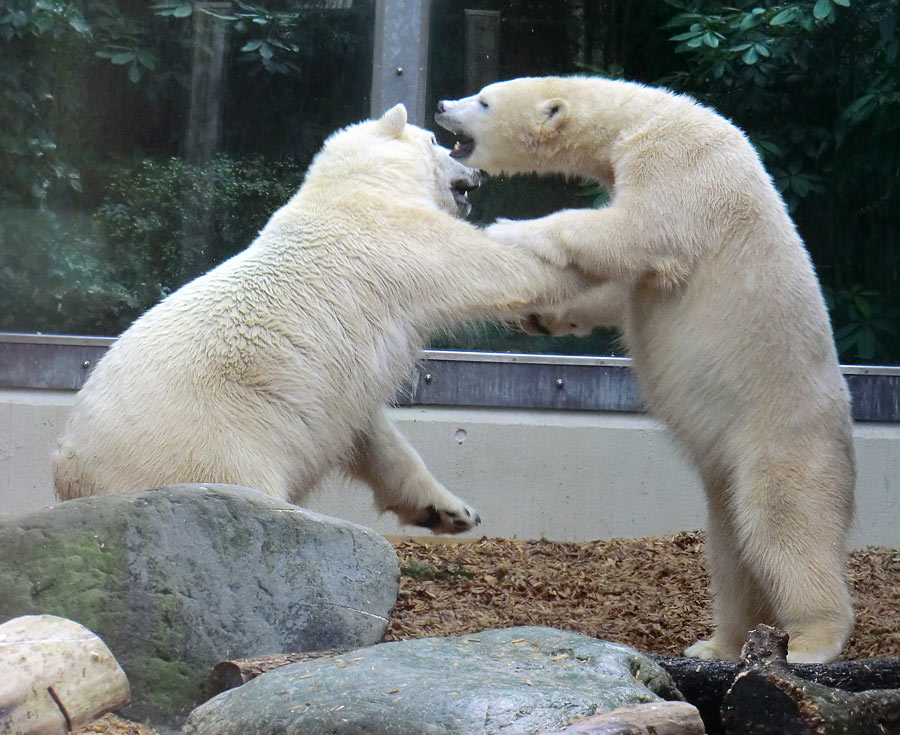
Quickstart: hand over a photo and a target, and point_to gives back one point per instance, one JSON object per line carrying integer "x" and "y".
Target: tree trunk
{"x": 55, "y": 676}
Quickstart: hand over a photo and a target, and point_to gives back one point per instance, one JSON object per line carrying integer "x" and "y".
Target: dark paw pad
{"x": 431, "y": 519}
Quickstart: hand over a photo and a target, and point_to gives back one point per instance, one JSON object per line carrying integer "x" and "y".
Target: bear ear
{"x": 552, "y": 114}
{"x": 393, "y": 121}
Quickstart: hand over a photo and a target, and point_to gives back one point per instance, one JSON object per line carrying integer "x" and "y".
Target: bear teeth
{"x": 463, "y": 148}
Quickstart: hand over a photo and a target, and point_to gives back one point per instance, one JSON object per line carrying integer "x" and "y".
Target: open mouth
{"x": 463, "y": 148}
{"x": 460, "y": 189}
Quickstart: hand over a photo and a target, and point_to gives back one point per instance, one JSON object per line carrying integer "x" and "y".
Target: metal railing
{"x": 448, "y": 378}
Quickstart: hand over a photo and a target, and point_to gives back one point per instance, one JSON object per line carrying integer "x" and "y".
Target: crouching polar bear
{"x": 274, "y": 367}
{"x": 723, "y": 316}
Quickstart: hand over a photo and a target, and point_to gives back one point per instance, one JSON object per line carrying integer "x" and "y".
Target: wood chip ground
{"x": 650, "y": 593}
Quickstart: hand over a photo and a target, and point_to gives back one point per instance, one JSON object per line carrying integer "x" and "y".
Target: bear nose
{"x": 441, "y": 106}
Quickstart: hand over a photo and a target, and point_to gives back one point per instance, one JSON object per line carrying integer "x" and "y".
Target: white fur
{"x": 725, "y": 322}
{"x": 274, "y": 367}
{"x": 599, "y": 306}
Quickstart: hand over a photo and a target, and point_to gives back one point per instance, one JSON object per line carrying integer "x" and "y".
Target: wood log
{"x": 858, "y": 675}
{"x": 654, "y": 718}
{"x": 767, "y": 698}
{"x": 227, "y": 675}
{"x": 55, "y": 676}
{"x": 705, "y": 683}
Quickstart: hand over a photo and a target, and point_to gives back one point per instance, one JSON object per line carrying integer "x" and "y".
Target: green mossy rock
{"x": 516, "y": 680}
{"x": 178, "y": 578}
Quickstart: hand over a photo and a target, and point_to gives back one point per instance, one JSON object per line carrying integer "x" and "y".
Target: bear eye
{"x": 484, "y": 104}
{"x": 433, "y": 140}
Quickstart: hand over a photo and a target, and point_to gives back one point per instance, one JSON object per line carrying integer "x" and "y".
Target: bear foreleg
{"x": 606, "y": 243}
{"x": 402, "y": 484}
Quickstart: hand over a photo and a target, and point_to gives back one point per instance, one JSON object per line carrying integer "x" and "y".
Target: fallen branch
{"x": 768, "y": 698}
{"x": 705, "y": 683}
{"x": 55, "y": 676}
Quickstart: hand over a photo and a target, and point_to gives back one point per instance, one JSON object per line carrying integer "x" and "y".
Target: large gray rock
{"x": 179, "y": 578}
{"x": 516, "y": 680}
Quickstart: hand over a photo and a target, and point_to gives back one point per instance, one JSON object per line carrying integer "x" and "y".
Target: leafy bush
{"x": 867, "y": 322}
{"x": 54, "y": 277}
{"x": 167, "y": 221}
{"x": 31, "y": 167}
{"x": 816, "y": 85}
{"x": 163, "y": 223}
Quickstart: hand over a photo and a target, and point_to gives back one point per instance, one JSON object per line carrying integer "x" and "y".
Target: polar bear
{"x": 274, "y": 367}
{"x": 725, "y": 322}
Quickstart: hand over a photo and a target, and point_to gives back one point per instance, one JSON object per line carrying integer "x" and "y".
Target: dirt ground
{"x": 649, "y": 593}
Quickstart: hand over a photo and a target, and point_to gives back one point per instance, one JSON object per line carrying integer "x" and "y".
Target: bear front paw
{"x": 445, "y": 520}
{"x": 706, "y": 651}
{"x": 525, "y": 234}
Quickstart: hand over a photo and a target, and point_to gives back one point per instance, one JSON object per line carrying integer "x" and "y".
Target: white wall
{"x": 566, "y": 476}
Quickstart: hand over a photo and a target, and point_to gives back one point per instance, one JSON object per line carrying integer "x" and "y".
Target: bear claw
{"x": 448, "y": 521}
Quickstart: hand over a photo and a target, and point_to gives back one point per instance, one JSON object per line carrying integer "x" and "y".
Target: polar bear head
{"x": 511, "y": 127}
{"x": 393, "y": 156}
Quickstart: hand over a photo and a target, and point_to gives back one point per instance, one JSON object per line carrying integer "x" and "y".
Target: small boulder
{"x": 178, "y": 578}
{"x": 515, "y": 680}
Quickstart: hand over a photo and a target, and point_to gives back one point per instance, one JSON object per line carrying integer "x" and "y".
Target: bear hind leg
{"x": 738, "y": 601}
{"x": 791, "y": 529}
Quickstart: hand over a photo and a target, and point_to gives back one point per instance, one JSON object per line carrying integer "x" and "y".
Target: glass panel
{"x": 142, "y": 143}
{"x": 815, "y": 84}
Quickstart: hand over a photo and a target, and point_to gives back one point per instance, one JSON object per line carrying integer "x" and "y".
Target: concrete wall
{"x": 561, "y": 475}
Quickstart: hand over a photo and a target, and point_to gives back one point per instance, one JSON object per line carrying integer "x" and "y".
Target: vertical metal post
{"x": 482, "y": 48}
{"x": 204, "y": 131}
{"x": 207, "y": 82}
{"x": 400, "y": 64}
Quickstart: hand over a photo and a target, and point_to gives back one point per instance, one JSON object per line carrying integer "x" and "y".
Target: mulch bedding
{"x": 649, "y": 593}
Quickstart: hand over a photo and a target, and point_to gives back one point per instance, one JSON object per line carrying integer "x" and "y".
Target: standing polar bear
{"x": 724, "y": 319}
{"x": 274, "y": 367}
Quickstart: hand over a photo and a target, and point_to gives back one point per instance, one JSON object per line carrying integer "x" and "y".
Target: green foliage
{"x": 268, "y": 32}
{"x": 162, "y": 223}
{"x": 55, "y": 51}
{"x": 816, "y": 85}
{"x": 598, "y": 194}
{"x": 167, "y": 221}
{"x": 87, "y": 243}
{"x": 30, "y": 165}
{"x": 54, "y": 277}
{"x": 868, "y": 330}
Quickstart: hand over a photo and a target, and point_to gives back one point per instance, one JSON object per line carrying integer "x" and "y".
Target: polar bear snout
{"x": 446, "y": 118}
{"x": 466, "y": 180}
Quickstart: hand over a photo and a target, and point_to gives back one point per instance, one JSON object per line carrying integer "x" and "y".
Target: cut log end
{"x": 55, "y": 676}
{"x": 765, "y": 645}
